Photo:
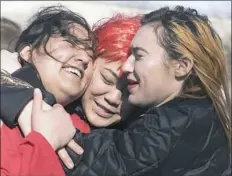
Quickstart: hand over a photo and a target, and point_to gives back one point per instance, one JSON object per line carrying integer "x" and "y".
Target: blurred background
{"x": 15, "y": 15}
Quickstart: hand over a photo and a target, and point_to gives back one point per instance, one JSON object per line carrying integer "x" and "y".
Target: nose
{"x": 83, "y": 57}
{"x": 128, "y": 66}
{"x": 114, "y": 98}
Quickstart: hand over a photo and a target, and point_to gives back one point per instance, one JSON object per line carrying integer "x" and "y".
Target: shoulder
{"x": 185, "y": 108}
{"x": 7, "y": 80}
{"x": 181, "y": 113}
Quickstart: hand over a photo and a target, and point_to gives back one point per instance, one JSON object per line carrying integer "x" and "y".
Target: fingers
{"x": 57, "y": 106}
{"x": 75, "y": 147}
{"x": 46, "y": 106}
{"x": 37, "y": 102}
{"x": 64, "y": 156}
{"x": 60, "y": 108}
{"x": 25, "y": 120}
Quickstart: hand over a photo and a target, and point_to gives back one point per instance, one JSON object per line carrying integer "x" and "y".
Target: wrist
{"x": 49, "y": 139}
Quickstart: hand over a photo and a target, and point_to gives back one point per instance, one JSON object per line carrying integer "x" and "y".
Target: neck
{"x": 169, "y": 98}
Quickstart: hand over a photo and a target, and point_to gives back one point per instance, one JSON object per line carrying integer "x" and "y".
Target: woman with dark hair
{"x": 56, "y": 52}
{"x": 57, "y": 43}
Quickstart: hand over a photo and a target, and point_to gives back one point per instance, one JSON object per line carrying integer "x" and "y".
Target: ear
{"x": 183, "y": 67}
{"x": 26, "y": 53}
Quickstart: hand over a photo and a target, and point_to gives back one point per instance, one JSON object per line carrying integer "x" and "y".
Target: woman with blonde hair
{"x": 177, "y": 70}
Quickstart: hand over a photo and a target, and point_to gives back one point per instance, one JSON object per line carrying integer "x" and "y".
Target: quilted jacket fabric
{"x": 184, "y": 137}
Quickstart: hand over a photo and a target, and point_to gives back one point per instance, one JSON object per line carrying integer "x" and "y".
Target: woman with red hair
{"x": 102, "y": 100}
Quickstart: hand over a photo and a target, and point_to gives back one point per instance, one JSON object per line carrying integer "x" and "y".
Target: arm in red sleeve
{"x": 32, "y": 156}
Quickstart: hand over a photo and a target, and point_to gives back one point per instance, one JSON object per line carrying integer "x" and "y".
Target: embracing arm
{"x": 34, "y": 155}
{"x": 17, "y": 100}
{"x": 137, "y": 151}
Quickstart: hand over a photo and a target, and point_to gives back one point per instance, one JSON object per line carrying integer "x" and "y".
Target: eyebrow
{"x": 112, "y": 72}
{"x": 135, "y": 49}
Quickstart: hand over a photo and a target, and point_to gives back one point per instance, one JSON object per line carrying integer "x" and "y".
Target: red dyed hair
{"x": 114, "y": 37}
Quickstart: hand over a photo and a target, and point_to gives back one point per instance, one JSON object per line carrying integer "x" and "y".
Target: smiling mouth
{"x": 74, "y": 71}
{"x": 103, "y": 111}
{"x": 132, "y": 84}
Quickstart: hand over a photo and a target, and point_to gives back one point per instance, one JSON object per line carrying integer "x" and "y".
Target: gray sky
{"x": 211, "y": 8}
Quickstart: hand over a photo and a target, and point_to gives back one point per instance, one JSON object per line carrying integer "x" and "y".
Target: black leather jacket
{"x": 183, "y": 137}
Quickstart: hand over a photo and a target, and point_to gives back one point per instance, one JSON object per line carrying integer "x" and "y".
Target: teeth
{"x": 73, "y": 70}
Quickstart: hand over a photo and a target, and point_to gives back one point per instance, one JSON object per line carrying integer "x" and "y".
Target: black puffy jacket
{"x": 183, "y": 137}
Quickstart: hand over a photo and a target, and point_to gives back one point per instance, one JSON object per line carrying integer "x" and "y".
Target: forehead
{"x": 145, "y": 36}
{"x": 101, "y": 63}
{"x": 78, "y": 31}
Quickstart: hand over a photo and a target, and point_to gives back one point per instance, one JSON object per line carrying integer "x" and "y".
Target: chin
{"x": 136, "y": 101}
{"x": 72, "y": 96}
{"x": 63, "y": 102}
{"x": 95, "y": 120}
{"x": 67, "y": 99}
{"x": 132, "y": 100}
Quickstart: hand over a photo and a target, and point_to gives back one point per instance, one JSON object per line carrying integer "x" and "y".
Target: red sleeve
{"x": 33, "y": 156}
{"x": 80, "y": 124}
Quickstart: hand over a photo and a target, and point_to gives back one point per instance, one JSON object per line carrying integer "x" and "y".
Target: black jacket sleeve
{"x": 15, "y": 93}
{"x": 13, "y": 100}
{"x": 136, "y": 151}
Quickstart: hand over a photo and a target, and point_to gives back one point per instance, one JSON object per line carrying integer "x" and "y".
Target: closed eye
{"x": 107, "y": 80}
{"x": 138, "y": 56}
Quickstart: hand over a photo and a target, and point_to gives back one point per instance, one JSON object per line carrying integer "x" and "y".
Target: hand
{"x": 9, "y": 61}
{"x": 24, "y": 119}
{"x": 64, "y": 156}
{"x": 25, "y": 126}
{"x": 54, "y": 124}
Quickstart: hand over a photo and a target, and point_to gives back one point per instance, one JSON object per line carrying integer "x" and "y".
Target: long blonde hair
{"x": 206, "y": 52}
{"x": 186, "y": 34}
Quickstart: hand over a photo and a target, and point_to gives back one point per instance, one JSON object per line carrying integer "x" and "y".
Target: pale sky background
{"x": 219, "y": 12}
{"x": 223, "y": 8}
{"x": 214, "y": 9}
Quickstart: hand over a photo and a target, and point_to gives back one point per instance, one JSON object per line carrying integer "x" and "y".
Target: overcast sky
{"x": 212, "y": 8}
